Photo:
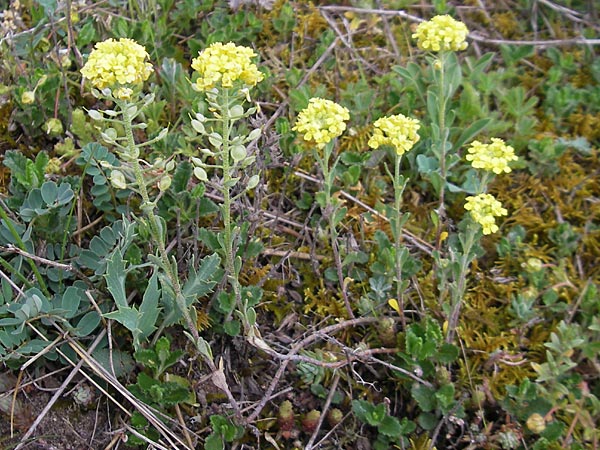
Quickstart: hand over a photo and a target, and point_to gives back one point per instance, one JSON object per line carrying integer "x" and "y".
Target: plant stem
{"x": 330, "y": 210}
{"x": 398, "y": 191}
{"x": 155, "y": 227}
{"x": 458, "y": 291}
{"x": 443, "y": 138}
{"x": 230, "y": 270}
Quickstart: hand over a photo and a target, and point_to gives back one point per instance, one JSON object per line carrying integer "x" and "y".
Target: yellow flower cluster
{"x": 225, "y": 64}
{"x": 321, "y": 121}
{"x": 397, "y": 131}
{"x": 492, "y": 157}
{"x": 441, "y": 33}
{"x": 117, "y": 64}
{"x": 484, "y": 208}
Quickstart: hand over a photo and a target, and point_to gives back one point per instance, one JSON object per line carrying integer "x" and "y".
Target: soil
{"x": 67, "y": 426}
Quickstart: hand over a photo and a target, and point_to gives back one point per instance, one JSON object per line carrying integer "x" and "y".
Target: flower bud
{"x": 53, "y": 166}
{"x": 533, "y": 265}
{"x": 334, "y": 416}
{"x": 536, "y": 423}
{"x": 28, "y": 97}
{"x": 53, "y": 127}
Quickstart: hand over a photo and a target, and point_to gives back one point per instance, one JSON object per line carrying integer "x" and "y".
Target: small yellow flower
{"x": 321, "y": 121}
{"x": 536, "y": 423}
{"x": 117, "y": 64}
{"x": 224, "y": 64}
{"x": 484, "y": 208}
{"x": 441, "y": 33}
{"x": 397, "y": 131}
{"x": 492, "y": 157}
{"x": 123, "y": 93}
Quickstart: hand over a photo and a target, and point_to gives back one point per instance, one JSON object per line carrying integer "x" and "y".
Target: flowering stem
{"x": 155, "y": 227}
{"x": 466, "y": 257}
{"x": 330, "y": 210}
{"x": 443, "y": 138}
{"x": 230, "y": 270}
{"x": 399, "y": 185}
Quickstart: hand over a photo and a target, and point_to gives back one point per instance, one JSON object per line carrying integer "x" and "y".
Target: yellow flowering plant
{"x": 443, "y": 36}
{"x": 494, "y": 157}
{"x": 118, "y": 65}
{"x": 222, "y": 65}
{"x": 117, "y": 71}
{"x": 401, "y": 134}
{"x": 225, "y": 74}
{"x": 320, "y": 123}
{"x": 441, "y": 33}
{"x": 484, "y": 208}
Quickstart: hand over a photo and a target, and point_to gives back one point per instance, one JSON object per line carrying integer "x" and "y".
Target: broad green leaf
{"x": 390, "y": 426}
{"x": 214, "y": 442}
{"x": 49, "y": 191}
{"x": 147, "y": 357}
{"x": 447, "y": 353}
{"x": 71, "y": 299}
{"x": 376, "y": 415}
{"x": 361, "y": 409}
{"x": 88, "y": 324}
{"x": 424, "y": 396}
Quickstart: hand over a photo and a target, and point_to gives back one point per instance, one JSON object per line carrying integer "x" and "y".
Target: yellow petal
{"x": 394, "y": 304}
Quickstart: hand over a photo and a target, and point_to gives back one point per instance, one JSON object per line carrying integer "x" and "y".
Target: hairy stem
{"x": 458, "y": 291}
{"x": 155, "y": 227}
{"x": 443, "y": 139}
{"x": 228, "y": 237}
{"x": 330, "y": 210}
{"x": 398, "y": 191}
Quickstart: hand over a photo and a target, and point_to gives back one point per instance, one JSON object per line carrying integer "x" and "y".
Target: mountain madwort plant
{"x": 441, "y": 37}
{"x": 225, "y": 74}
{"x": 320, "y": 123}
{"x": 117, "y": 71}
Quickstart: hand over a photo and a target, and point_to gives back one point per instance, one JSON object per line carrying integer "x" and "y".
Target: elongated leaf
{"x": 473, "y": 130}
{"x": 88, "y": 323}
{"x": 126, "y": 316}
{"x": 115, "y": 278}
{"x": 149, "y": 309}
{"x": 201, "y": 282}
